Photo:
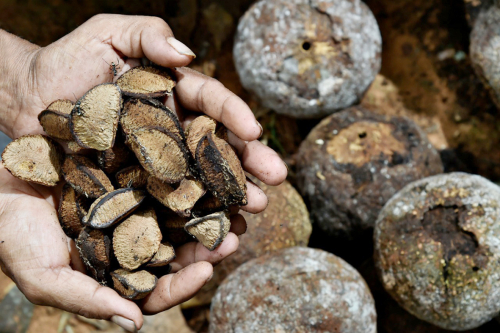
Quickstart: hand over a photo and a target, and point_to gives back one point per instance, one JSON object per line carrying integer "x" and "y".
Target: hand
{"x": 34, "y": 251}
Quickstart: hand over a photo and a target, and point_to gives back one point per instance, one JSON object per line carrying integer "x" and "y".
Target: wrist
{"x": 17, "y": 57}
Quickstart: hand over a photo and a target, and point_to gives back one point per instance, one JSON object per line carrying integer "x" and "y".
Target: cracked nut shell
{"x": 436, "y": 250}
{"x": 146, "y": 81}
{"x": 133, "y": 285}
{"x": 94, "y": 247}
{"x": 209, "y": 230}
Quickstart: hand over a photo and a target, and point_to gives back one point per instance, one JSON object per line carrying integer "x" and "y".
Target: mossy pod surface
{"x": 221, "y": 171}
{"x": 133, "y": 285}
{"x": 94, "y": 119}
{"x": 160, "y": 153}
{"x": 137, "y": 239}
{"x": 69, "y": 212}
{"x": 163, "y": 257}
{"x": 85, "y": 177}
{"x": 113, "y": 207}
{"x": 55, "y": 124}
{"x": 146, "y": 81}
{"x": 94, "y": 247}
{"x": 113, "y": 159}
{"x": 133, "y": 176}
{"x": 180, "y": 200}
{"x": 198, "y": 128}
{"x": 209, "y": 230}
{"x": 34, "y": 158}
{"x": 140, "y": 113}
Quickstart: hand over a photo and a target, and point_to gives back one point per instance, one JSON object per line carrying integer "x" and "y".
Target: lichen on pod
{"x": 436, "y": 250}
{"x": 307, "y": 58}
{"x": 294, "y": 290}
{"x": 353, "y": 161}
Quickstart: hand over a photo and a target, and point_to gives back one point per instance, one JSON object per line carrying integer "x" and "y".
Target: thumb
{"x": 75, "y": 292}
{"x": 142, "y": 36}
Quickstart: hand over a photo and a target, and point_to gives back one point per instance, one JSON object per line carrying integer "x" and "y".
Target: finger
{"x": 194, "y": 252}
{"x": 75, "y": 292}
{"x": 176, "y": 288}
{"x": 141, "y": 36}
{"x": 238, "y": 225}
{"x": 257, "y": 199}
{"x": 260, "y": 160}
{"x": 198, "y": 92}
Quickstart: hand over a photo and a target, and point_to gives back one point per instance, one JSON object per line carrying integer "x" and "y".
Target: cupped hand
{"x": 34, "y": 251}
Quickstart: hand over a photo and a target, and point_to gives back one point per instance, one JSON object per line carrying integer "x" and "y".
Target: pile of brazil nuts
{"x": 140, "y": 186}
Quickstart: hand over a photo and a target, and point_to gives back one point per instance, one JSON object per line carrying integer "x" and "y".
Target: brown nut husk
{"x": 55, "y": 124}
{"x": 221, "y": 171}
{"x": 74, "y": 147}
{"x": 133, "y": 285}
{"x": 436, "y": 250}
{"x": 352, "y": 162}
{"x": 146, "y": 81}
{"x": 94, "y": 120}
{"x": 209, "y": 230}
{"x": 72, "y": 208}
{"x": 64, "y": 106}
{"x": 296, "y": 289}
{"x": 113, "y": 159}
{"x": 133, "y": 176}
{"x": 94, "y": 247}
{"x": 198, "y": 128}
{"x": 85, "y": 177}
{"x": 207, "y": 204}
{"x": 34, "y": 158}
{"x": 180, "y": 200}
{"x": 163, "y": 257}
{"x": 137, "y": 239}
{"x": 140, "y": 113}
{"x": 160, "y": 153}
{"x": 112, "y": 207}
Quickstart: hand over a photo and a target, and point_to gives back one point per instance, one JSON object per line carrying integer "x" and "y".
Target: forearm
{"x": 16, "y": 79}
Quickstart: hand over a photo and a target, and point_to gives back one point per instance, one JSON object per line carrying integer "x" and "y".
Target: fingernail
{"x": 180, "y": 47}
{"x": 261, "y": 129}
{"x": 127, "y": 324}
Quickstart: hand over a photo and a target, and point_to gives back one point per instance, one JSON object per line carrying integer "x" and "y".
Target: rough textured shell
{"x": 133, "y": 176}
{"x": 137, "y": 239}
{"x": 113, "y": 207}
{"x": 160, "y": 153}
{"x": 139, "y": 113}
{"x": 221, "y": 171}
{"x": 113, "y": 159}
{"x": 94, "y": 120}
{"x": 146, "y": 81}
{"x": 209, "y": 230}
{"x": 95, "y": 250}
{"x": 456, "y": 292}
{"x": 34, "y": 158}
{"x": 69, "y": 212}
{"x": 165, "y": 254}
{"x": 133, "y": 285}
{"x": 307, "y": 58}
{"x": 200, "y": 127}
{"x": 294, "y": 290}
{"x": 85, "y": 177}
{"x": 55, "y": 124}
{"x": 353, "y": 161}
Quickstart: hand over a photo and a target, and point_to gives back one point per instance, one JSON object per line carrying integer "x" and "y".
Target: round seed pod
{"x": 484, "y": 50}
{"x": 284, "y": 223}
{"x": 294, "y": 290}
{"x": 308, "y": 58}
{"x": 354, "y": 161}
{"x": 436, "y": 250}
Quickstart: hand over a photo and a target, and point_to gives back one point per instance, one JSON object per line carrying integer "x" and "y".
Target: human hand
{"x": 34, "y": 251}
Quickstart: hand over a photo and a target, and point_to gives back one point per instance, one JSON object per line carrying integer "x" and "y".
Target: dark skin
{"x": 34, "y": 251}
